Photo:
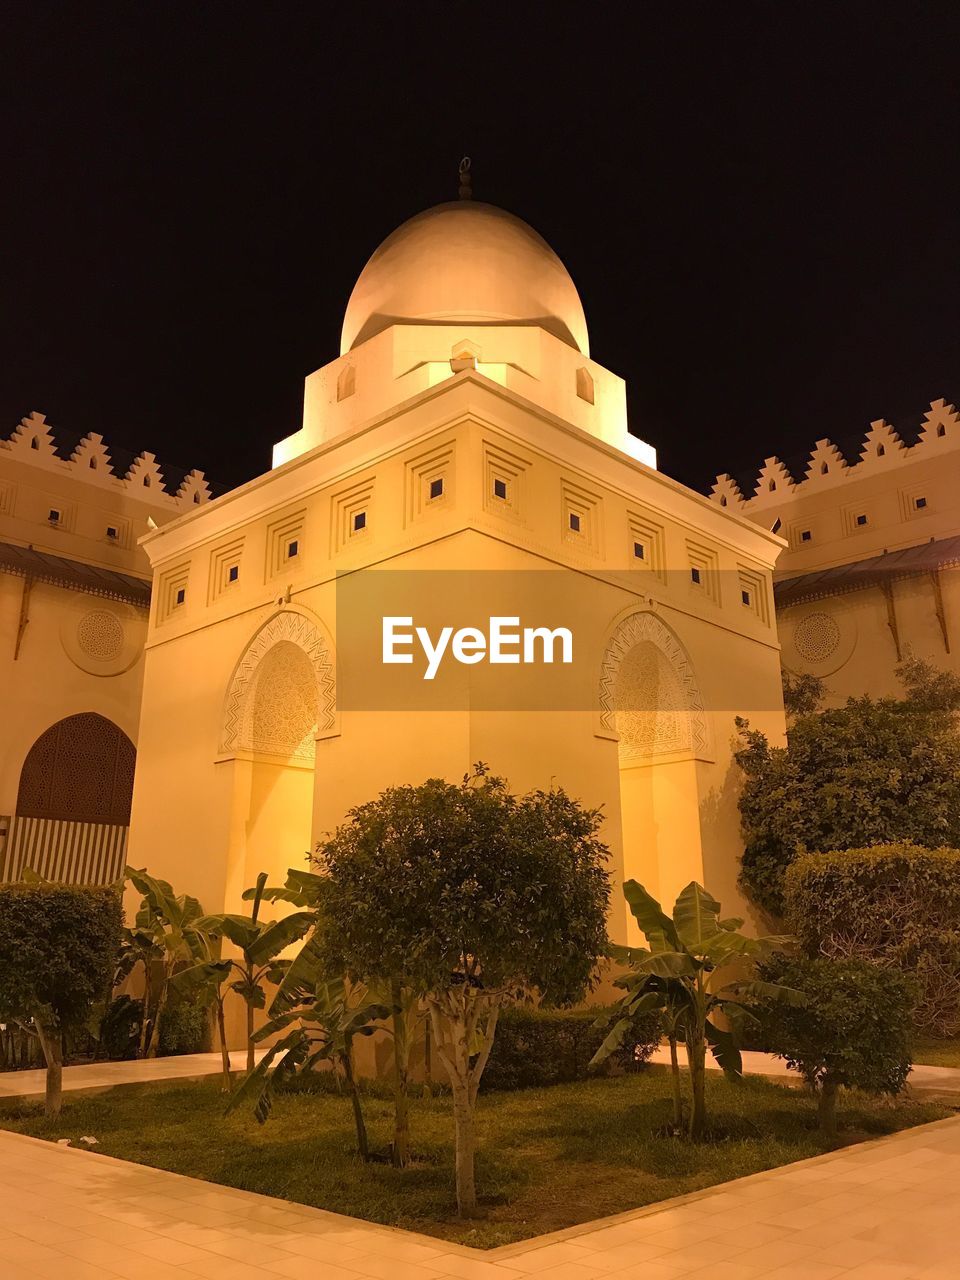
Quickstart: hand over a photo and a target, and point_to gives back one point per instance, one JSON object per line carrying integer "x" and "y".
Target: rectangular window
{"x": 436, "y": 488}
{"x": 574, "y": 522}
{"x": 293, "y": 549}
{"x": 861, "y": 520}
{"x": 640, "y": 551}
{"x": 359, "y": 521}
{"x": 695, "y": 575}
{"x": 54, "y": 516}
{"x": 181, "y": 594}
{"x": 745, "y": 597}
{"x": 112, "y": 531}
{"x": 500, "y": 489}
{"x": 806, "y": 535}
{"x": 233, "y": 573}
{"x": 920, "y": 503}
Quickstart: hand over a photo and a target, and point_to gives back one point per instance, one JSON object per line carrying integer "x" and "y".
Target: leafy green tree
{"x": 465, "y": 894}
{"x": 165, "y": 936}
{"x": 852, "y": 1031}
{"x": 260, "y": 943}
{"x": 875, "y": 771}
{"x": 58, "y": 946}
{"x": 686, "y": 973}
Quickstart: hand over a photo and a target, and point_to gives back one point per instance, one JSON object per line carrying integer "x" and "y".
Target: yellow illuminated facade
{"x": 463, "y": 430}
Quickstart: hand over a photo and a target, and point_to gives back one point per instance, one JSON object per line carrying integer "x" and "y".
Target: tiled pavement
{"x": 885, "y": 1210}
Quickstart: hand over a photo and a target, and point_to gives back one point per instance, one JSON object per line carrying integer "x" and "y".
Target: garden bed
{"x": 549, "y": 1158}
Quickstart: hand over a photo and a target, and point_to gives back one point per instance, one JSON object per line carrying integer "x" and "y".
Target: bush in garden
{"x": 896, "y": 905}
{"x": 120, "y": 1028}
{"x": 184, "y": 1027}
{"x": 852, "y": 1031}
{"x": 535, "y": 1047}
{"x": 870, "y": 772}
{"x": 58, "y": 946}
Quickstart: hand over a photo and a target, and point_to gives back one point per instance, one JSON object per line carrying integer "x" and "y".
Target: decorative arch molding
{"x": 289, "y": 651}
{"x": 684, "y": 726}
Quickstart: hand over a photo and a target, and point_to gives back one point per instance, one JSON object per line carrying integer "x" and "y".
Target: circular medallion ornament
{"x": 817, "y": 637}
{"x": 100, "y": 635}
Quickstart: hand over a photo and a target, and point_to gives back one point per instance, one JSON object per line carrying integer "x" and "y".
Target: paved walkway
{"x": 926, "y": 1081}
{"x": 104, "y": 1075}
{"x": 884, "y": 1210}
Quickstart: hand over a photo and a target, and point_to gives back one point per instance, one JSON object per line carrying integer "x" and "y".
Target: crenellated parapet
{"x": 881, "y": 450}
{"x": 34, "y": 441}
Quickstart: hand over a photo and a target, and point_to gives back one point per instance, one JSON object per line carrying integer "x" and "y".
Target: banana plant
{"x": 165, "y": 932}
{"x": 316, "y": 1021}
{"x": 686, "y": 973}
{"x": 260, "y": 943}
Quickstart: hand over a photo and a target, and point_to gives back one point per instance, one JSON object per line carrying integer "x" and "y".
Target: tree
{"x": 164, "y": 933}
{"x": 466, "y": 894}
{"x": 58, "y": 946}
{"x": 260, "y": 943}
{"x": 875, "y": 771}
{"x": 852, "y": 1031}
{"x": 685, "y": 973}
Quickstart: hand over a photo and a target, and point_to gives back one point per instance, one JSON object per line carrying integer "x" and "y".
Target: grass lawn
{"x": 933, "y": 1052}
{"x": 548, "y": 1158}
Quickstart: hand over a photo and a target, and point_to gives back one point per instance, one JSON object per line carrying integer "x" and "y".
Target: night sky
{"x": 757, "y": 202}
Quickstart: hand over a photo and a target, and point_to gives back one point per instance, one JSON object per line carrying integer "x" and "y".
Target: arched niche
{"x": 649, "y": 697}
{"x": 282, "y": 691}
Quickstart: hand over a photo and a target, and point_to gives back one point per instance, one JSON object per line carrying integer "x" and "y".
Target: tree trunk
{"x": 251, "y": 1063}
{"x": 401, "y": 1063}
{"x": 363, "y": 1145}
{"x": 696, "y": 1064}
{"x": 49, "y": 1034}
{"x": 154, "y": 1044}
{"x": 827, "y": 1106}
{"x": 224, "y": 1051}
{"x": 466, "y": 1149}
{"x": 677, "y": 1094}
{"x": 145, "y": 1016}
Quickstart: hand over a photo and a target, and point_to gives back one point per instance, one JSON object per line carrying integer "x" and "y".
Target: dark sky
{"x": 758, "y": 203}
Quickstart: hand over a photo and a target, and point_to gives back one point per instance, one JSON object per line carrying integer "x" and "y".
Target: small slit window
{"x": 806, "y": 536}
{"x": 93, "y": 464}
{"x": 53, "y": 515}
{"x": 293, "y": 549}
{"x": 941, "y": 432}
{"x": 880, "y": 451}
{"x": 919, "y": 503}
{"x": 500, "y": 489}
{"x": 359, "y": 521}
{"x": 181, "y": 595}
{"x": 745, "y": 597}
{"x": 824, "y": 468}
{"x": 861, "y": 521}
{"x": 639, "y": 551}
{"x": 574, "y": 522}
{"x": 436, "y": 488}
{"x": 695, "y": 576}
{"x": 112, "y": 532}
{"x": 233, "y": 573}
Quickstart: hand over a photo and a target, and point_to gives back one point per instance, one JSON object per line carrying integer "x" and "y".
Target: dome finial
{"x": 466, "y": 189}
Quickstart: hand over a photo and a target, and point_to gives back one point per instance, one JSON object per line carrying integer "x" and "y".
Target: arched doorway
{"x": 73, "y": 804}
{"x": 650, "y": 702}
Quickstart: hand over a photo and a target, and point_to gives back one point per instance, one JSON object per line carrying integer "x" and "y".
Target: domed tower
{"x": 463, "y": 285}
{"x": 464, "y": 474}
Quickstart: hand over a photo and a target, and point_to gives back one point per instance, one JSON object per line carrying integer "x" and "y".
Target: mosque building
{"x": 463, "y": 459}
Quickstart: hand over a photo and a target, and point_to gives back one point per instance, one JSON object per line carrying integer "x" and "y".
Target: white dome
{"x": 464, "y": 263}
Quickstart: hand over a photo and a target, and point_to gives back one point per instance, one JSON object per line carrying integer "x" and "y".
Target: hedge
{"x": 897, "y": 905}
{"x": 552, "y": 1046}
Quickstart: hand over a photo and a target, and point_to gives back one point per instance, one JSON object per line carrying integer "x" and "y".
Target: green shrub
{"x": 896, "y": 905}
{"x": 120, "y": 1028}
{"x": 853, "y": 1030}
{"x": 58, "y": 946}
{"x": 536, "y": 1047}
{"x": 184, "y": 1027}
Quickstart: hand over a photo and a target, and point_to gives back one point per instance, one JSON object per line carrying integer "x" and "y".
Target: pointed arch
{"x": 649, "y": 697}
{"x": 282, "y": 691}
